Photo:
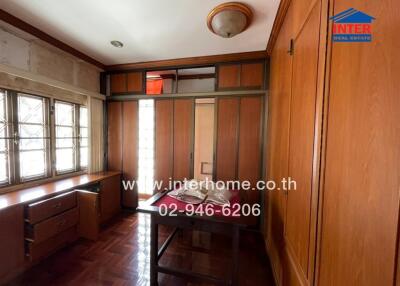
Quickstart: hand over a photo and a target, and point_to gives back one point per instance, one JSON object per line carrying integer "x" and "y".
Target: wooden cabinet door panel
{"x": 118, "y": 83}
{"x": 227, "y": 138}
{"x": 252, "y": 75}
{"x": 301, "y": 143}
{"x": 163, "y": 163}
{"x": 89, "y": 214}
{"x": 183, "y": 138}
{"x": 134, "y": 82}
{"x": 229, "y": 76}
{"x": 130, "y": 150}
{"x": 110, "y": 197}
{"x": 249, "y": 164}
{"x": 114, "y": 124}
{"x": 359, "y": 237}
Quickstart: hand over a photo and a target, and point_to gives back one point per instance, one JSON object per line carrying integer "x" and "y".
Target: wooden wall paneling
{"x": 227, "y": 138}
{"x": 301, "y": 149}
{"x": 135, "y": 82}
{"x": 118, "y": 82}
{"x": 228, "y": 76}
{"x": 163, "y": 153}
{"x": 114, "y": 127}
{"x": 252, "y": 75}
{"x": 249, "y": 149}
{"x": 11, "y": 242}
{"x": 193, "y": 61}
{"x": 130, "y": 147}
{"x": 183, "y": 138}
{"x": 278, "y": 145}
{"x": 359, "y": 231}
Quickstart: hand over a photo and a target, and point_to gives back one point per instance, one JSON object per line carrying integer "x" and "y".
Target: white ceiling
{"x": 150, "y": 29}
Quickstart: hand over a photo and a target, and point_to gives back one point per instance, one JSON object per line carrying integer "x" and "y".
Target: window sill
{"x": 37, "y": 182}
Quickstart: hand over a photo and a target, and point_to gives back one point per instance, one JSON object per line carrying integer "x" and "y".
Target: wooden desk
{"x": 213, "y": 224}
{"x": 47, "y": 190}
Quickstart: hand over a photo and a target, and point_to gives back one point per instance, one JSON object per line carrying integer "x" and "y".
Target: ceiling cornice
{"x": 192, "y": 61}
{"x": 24, "y": 26}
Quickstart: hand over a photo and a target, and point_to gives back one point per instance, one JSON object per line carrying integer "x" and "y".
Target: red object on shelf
{"x": 154, "y": 86}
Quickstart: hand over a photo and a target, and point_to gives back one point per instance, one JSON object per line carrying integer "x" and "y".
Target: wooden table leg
{"x": 235, "y": 258}
{"x": 153, "y": 252}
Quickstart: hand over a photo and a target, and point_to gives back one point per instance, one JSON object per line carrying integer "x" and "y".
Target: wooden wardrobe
{"x": 122, "y": 144}
{"x": 333, "y": 127}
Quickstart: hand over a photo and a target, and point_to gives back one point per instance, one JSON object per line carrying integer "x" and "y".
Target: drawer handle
{"x": 57, "y": 205}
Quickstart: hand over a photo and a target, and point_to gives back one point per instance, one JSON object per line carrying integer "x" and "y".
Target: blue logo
{"x": 352, "y": 25}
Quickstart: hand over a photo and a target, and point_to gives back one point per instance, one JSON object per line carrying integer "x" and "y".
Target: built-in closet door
{"x": 249, "y": 152}
{"x": 227, "y": 138}
{"x": 183, "y": 139}
{"x": 130, "y": 150}
{"x": 360, "y": 216}
{"x": 164, "y": 131}
{"x": 114, "y": 143}
{"x": 300, "y": 226}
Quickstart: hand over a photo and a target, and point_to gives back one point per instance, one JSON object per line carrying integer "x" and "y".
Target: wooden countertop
{"x": 51, "y": 189}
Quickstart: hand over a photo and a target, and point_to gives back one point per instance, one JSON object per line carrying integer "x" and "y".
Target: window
{"x": 27, "y": 149}
{"x": 83, "y": 136}
{"x": 4, "y": 172}
{"x": 146, "y": 146}
{"x": 71, "y": 131}
{"x": 32, "y": 137}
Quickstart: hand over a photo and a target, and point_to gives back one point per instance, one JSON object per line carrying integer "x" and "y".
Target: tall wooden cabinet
{"x": 238, "y": 141}
{"x": 333, "y": 117}
{"x": 183, "y": 138}
{"x": 164, "y": 140}
{"x": 122, "y": 144}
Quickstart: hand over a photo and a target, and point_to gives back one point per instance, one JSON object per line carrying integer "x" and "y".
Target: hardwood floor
{"x": 121, "y": 257}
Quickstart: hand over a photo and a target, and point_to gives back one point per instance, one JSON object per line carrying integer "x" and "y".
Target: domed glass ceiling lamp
{"x": 229, "y": 19}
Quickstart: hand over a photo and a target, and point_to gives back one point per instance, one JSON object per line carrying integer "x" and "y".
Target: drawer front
{"x": 53, "y": 226}
{"x": 37, "y": 251}
{"x": 45, "y": 209}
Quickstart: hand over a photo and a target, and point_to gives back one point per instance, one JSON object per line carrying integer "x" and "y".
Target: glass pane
{"x": 65, "y": 159}
{"x": 160, "y": 82}
{"x": 2, "y": 106}
{"x": 64, "y": 113}
{"x": 84, "y": 157}
{"x": 28, "y": 131}
{"x": 84, "y": 132}
{"x": 29, "y": 144}
{"x": 3, "y": 168}
{"x": 64, "y": 142}
{"x": 30, "y": 109}
{"x": 62, "y": 132}
{"x": 32, "y": 163}
{"x": 83, "y": 116}
{"x": 84, "y": 142}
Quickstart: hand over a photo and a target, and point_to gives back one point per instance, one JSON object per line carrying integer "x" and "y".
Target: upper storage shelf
{"x": 249, "y": 75}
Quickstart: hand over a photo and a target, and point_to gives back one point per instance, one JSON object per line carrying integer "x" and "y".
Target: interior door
{"x": 300, "y": 208}
{"x": 130, "y": 150}
{"x": 183, "y": 139}
{"x": 249, "y": 160}
{"x": 114, "y": 124}
{"x": 227, "y": 138}
{"x": 163, "y": 163}
{"x": 204, "y": 139}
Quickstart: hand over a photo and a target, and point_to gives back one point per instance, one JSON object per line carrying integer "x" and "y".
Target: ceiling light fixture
{"x": 117, "y": 44}
{"x": 229, "y": 19}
